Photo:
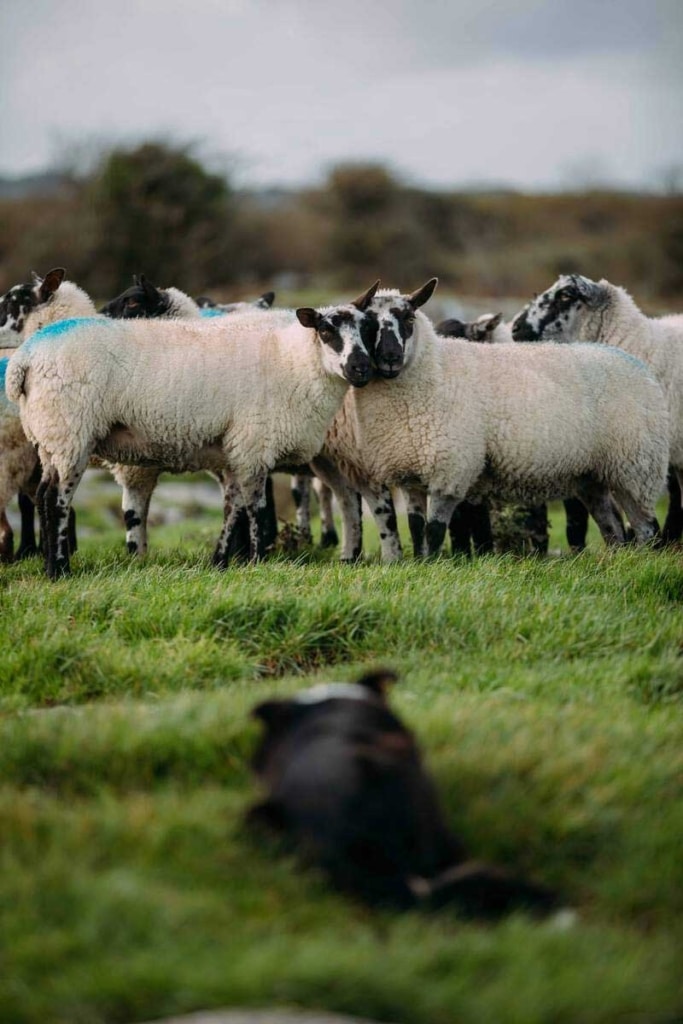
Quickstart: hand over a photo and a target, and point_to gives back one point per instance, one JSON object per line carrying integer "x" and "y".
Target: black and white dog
{"x": 346, "y": 784}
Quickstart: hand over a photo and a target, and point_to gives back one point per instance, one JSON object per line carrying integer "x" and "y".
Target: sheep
{"x": 261, "y": 388}
{"x": 575, "y": 308}
{"x": 143, "y": 299}
{"x": 514, "y": 421}
{"x": 210, "y": 308}
{"x": 472, "y": 522}
{"x": 487, "y": 328}
{"x": 345, "y": 782}
{"x": 24, "y": 309}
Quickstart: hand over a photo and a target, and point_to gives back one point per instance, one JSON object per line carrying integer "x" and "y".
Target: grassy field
{"x": 546, "y": 695}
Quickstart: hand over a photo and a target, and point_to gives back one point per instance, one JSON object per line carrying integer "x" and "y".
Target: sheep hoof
{"x": 329, "y": 539}
{"x": 27, "y": 551}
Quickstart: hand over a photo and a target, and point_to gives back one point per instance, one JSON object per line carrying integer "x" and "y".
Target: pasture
{"x": 546, "y": 695}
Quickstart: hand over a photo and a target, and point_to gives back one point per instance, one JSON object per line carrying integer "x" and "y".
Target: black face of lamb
{"x": 138, "y": 301}
{"x": 452, "y": 328}
{"x": 15, "y": 305}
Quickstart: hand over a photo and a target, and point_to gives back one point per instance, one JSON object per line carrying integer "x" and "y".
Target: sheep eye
{"x": 132, "y": 303}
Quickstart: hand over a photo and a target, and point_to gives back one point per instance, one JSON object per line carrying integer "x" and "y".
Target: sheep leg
{"x": 471, "y": 523}
{"x": 56, "y": 494}
{"x": 349, "y": 502}
{"x": 441, "y": 508}
{"x": 384, "y": 513}
{"x": 481, "y": 530}
{"x": 72, "y": 540}
{"x": 28, "y": 544}
{"x": 6, "y": 538}
{"x": 673, "y": 526}
{"x": 328, "y": 531}
{"x": 233, "y": 543}
{"x": 577, "y": 524}
{"x": 598, "y": 501}
{"x": 256, "y": 501}
{"x": 416, "y": 504}
{"x": 137, "y": 485}
{"x": 645, "y": 527}
{"x": 536, "y": 528}
{"x": 301, "y": 495}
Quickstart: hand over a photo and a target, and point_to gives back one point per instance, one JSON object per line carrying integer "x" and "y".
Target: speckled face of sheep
{"x": 395, "y": 315}
{"x": 17, "y": 303}
{"x": 554, "y": 315}
{"x": 346, "y": 334}
{"x": 140, "y": 300}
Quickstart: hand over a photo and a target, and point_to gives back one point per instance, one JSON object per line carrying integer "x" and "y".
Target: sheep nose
{"x": 359, "y": 369}
{"x": 522, "y": 330}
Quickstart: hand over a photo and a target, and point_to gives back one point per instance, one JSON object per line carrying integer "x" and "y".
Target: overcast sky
{"x": 534, "y": 93}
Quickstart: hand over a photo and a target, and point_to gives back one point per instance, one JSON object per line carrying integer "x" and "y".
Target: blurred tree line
{"x": 155, "y": 208}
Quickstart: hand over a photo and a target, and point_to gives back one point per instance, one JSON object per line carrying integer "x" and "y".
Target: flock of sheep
{"x": 367, "y": 395}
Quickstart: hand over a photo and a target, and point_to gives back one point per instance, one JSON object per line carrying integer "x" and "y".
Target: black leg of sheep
{"x": 577, "y": 524}
{"x": 28, "y": 545}
{"x": 673, "y": 526}
{"x": 470, "y": 528}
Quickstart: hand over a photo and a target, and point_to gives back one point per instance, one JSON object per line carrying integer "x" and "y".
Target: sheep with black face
{"x": 143, "y": 299}
{"x": 575, "y": 308}
{"x": 261, "y": 389}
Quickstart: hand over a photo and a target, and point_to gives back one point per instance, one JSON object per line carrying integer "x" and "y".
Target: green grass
{"x": 547, "y": 696}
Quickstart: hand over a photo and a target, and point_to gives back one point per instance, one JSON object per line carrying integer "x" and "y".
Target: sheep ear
{"x": 50, "y": 283}
{"x": 36, "y": 279}
{"x": 423, "y": 294}
{"x": 492, "y": 321}
{"x": 378, "y": 681}
{"x": 148, "y": 288}
{"x": 587, "y": 289}
{"x": 267, "y": 299}
{"x": 363, "y": 301}
{"x": 308, "y": 317}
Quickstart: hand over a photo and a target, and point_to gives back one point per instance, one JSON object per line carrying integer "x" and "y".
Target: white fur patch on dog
{"x": 333, "y": 691}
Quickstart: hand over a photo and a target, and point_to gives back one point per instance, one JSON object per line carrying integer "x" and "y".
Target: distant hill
{"x": 45, "y": 183}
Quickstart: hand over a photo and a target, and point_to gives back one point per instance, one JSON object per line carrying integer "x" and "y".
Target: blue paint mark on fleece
{"x": 61, "y": 327}
{"x": 3, "y": 372}
{"x": 209, "y": 311}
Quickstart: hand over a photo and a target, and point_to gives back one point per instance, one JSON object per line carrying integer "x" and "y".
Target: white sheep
{"x": 24, "y": 309}
{"x": 526, "y": 423}
{"x": 240, "y": 394}
{"x": 575, "y": 308}
{"x": 472, "y": 522}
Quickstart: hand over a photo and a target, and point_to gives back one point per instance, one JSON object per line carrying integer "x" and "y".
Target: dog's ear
{"x": 275, "y": 714}
{"x": 267, "y": 815}
{"x": 379, "y": 681}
